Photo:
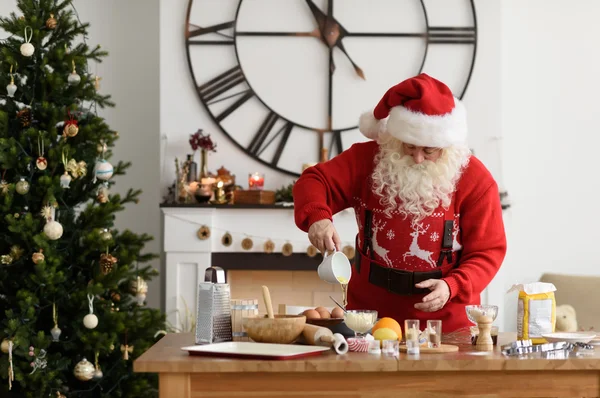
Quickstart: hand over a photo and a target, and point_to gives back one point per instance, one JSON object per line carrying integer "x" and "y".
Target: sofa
{"x": 580, "y": 291}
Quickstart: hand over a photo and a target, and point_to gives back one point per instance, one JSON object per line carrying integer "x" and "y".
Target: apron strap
{"x": 448, "y": 237}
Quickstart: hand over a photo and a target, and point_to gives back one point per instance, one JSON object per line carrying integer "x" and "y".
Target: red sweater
{"x": 344, "y": 181}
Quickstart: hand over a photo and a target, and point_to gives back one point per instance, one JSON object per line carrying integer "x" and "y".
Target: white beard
{"x": 416, "y": 190}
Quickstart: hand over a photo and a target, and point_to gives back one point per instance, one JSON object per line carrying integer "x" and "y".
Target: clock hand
{"x": 333, "y": 33}
{"x": 320, "y": 18}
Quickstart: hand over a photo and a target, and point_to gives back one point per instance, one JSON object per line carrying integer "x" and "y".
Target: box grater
{"x": 213, "y": 321}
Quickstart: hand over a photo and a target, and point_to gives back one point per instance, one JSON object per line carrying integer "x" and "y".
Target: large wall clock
{"x": 284, "y": 79}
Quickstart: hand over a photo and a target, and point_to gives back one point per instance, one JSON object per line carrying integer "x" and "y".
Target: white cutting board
{"x": 251, "y": 350}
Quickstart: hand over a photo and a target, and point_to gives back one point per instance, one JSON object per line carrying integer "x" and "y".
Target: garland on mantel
{"x": 269, "y": 244}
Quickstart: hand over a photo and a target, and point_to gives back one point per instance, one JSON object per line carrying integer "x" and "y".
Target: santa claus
{"x": 430, "y": 230}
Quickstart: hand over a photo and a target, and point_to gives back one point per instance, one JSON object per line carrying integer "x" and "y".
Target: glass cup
{"x": 391, "y": 347}
{"x": 434, "y": 333}
{"x": 374, "y": 347}
{"x": 411, "y": 333}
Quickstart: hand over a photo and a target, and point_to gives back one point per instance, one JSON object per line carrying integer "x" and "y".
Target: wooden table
{"x": 460, "y": 374}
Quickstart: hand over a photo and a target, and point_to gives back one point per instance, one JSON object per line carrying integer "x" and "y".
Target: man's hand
{"x": 434, "y": 301}
{"x": 323, "y": 236}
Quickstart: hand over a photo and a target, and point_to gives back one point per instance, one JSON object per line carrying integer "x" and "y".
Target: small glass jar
{"x": 434, "y": 333}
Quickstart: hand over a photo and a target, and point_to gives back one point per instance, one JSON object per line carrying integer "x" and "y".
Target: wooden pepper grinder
{"x": 484, "y": 340}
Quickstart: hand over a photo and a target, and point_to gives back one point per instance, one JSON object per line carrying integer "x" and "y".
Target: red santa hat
{"x": 420, "y": 111}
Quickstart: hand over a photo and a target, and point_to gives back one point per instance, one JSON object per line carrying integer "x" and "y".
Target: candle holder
{"x": 256, "y": 181}
{"x": 220, "y": 197}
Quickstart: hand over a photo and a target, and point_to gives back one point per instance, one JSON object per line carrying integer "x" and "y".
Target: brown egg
{"x": 337, "y": 313}
{"x": 325, "y": 314}
{"x": 321, "y": 309}
{"x": 311, "y": 314}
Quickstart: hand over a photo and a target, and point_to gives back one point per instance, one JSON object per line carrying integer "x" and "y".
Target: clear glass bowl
{"x": 360, "y": 321}
{"x": 475, "y": 311}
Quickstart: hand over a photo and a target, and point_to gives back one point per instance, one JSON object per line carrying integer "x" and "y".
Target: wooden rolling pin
{"x": 317, "y": 335}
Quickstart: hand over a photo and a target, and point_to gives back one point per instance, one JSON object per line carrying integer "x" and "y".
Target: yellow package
{"x": 536, "y": 311}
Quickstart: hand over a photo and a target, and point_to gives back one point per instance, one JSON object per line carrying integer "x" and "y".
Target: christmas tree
{"x": 72, "y": 286}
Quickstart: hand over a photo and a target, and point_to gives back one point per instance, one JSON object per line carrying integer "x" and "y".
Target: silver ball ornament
{"x": 74, "y": 79}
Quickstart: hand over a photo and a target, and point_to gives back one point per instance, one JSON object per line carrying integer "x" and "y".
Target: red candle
{"x": 256, "y": 181}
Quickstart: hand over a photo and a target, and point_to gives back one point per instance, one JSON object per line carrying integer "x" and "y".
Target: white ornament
{"x": 55, "y": 332}
{"x": 98, "y": 374}
{"x": 90, "y": 321}
{"x": 103, "y": 170}
{"x": 84, "y": 370}
{"x": 53, "y": 230}
{"x": 11, "y": 88}
{"x": 27, "y": 48}
{"x": 65, "y": 180}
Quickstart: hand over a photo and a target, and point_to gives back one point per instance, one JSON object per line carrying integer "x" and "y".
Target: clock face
{"x": 286, "y": 79}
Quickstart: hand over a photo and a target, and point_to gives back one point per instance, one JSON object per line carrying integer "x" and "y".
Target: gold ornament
{"x": 138, "y": 286}
{"x": 4, "y": 187}
{"x": 105, "y": 235}
{"x": 16, "y": 252}
{"x": 38, "y": 257}
{"x": 348, "y": 251}
{"x": 22, "y": 186}
{"x": 311, "y": 251}
{"x": 115, "y": 296}
{"x": 70, "y": 130}
{"x": 226, "y": 240}
{"x": 4, "y": 346}
{"x": 51, "y": 22}
{"x": 103, "y": 193}
{"x": 97, "y": 82}
{"x": 126, "y": 350}
{"x": 107, "y": 263}
{"x": 287, "y": 249}
{"x": 84, "y": 370}
{"x": 269, "y": 246}
{"x": 59, "y": 395}
{"x": 203, "y": 233}
{"x": 247, "y": 244}
{"x": 6, "y": 259}
{"x": 101, "y": 147}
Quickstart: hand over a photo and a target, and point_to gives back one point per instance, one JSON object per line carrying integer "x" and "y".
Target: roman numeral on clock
{"x": 211, "y": 91}
{"x": 258, "y": 145}
{"x": 219, "y": 29}
{"x": 451, "y": 35}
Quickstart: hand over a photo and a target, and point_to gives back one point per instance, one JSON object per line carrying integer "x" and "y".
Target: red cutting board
{"x": 251, "y": 350}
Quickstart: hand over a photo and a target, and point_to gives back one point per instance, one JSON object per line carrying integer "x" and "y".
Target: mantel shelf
{"x": 224, "y": 206}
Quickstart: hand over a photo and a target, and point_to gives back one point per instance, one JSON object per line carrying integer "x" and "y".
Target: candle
{"x": 256, "y": 181}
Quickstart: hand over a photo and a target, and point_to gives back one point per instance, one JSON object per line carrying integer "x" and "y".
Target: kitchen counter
{"x": 459, "y": 374}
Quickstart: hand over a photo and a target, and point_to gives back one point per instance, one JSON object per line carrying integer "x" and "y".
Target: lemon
{"x": 385, "y": 334}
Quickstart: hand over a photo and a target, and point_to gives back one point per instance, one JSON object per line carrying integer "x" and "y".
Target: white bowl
{"x": 572, "y": 337}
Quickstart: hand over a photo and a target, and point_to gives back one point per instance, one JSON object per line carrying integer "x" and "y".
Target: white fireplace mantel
{"x": 187, "y": 255}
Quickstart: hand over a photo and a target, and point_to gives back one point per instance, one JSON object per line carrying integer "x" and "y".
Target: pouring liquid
{"x": 344, "y": 283}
